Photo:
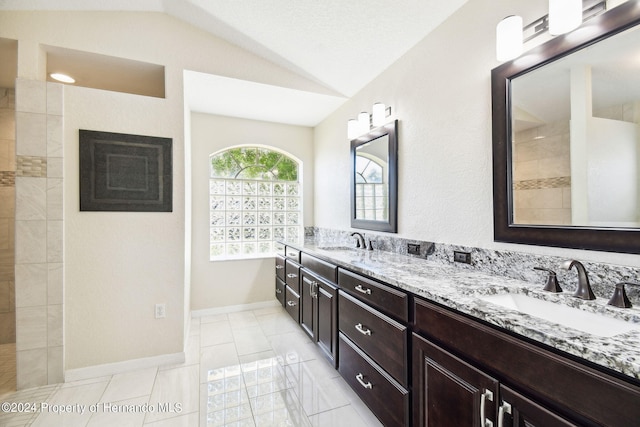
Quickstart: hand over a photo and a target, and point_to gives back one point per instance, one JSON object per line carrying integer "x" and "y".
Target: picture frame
{"x": 123, "y": 172}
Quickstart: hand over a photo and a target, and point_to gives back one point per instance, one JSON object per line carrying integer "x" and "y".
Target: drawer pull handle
{"x": 505, "y": 408}
{"x": 486, "y": 395}
{"x": 366, "y": 291}
{"x": 278, "y": 291}
{"x": 279, "y": 267}
{"x": 360, "y": 379}
{"x": 362, "y": 330}
{"x": 292, "y": 276}
{"x": 291, "y": 303}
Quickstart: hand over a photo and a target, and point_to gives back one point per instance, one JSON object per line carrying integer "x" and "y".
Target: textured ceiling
{"x": 342, "y": 45}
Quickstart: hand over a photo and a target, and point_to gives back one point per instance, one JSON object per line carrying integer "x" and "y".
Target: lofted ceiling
{"x": 342, "y": 45}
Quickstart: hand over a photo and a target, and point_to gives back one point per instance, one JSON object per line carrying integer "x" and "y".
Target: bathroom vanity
{"x": 424, "y": 344}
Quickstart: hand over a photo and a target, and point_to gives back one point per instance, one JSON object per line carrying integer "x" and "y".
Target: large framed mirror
{"x": 374, "y": 179}
{"x": 566, "y": 139}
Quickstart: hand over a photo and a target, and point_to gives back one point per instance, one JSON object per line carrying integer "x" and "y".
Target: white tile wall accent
{"x": 31, "y": 200}
{"x": 33, "y": 289}
{"x": 39, "y": 240}
{"x": 31, "y": 134}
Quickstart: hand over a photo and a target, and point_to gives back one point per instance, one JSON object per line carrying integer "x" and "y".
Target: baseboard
{"x": 234, "y": 308}
{"x": 122, "y": 367}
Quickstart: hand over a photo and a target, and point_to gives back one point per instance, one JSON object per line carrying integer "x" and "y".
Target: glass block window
{"x": 372, "y": 199}
{"x": 255, "y": 199}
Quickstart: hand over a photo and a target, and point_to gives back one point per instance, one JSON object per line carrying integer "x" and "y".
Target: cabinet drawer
{"x": 280, "y": 290}
{"x": 292, "y": 275}
{"x": 391, "y": 301}
{"x": 387, "y": 399}
{"x": 293, "y": 254}
{"x": 280, "y": 267}
{"x": 321, "y": 268}
{"x": 292, "y": 303}
{"x": 380, "y": 337}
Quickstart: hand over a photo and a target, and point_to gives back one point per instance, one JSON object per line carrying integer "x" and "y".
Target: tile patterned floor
{"x": 249, "y": 368}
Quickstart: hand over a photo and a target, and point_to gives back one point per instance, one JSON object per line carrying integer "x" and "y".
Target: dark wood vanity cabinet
{"x": 288, "y": 284}
{"x": 373, "y": 345}
{"x": 319, "y": 293}
{"x": 517, "y": 410}
{"x": 280, "y": 285}
{"x": 552, "y": 390}
{"x": 448, "y": 391}
{"x": 415, "y": 362}
{"x": 319, "y": 300}
{"x": 306, "y": 286}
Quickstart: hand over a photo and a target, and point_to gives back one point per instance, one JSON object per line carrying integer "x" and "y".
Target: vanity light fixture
{"x": 509, "y": 38}
{"x": 64, "y": 78}
{"x": 379, "y": 114}
{"x": 365, "y": 121}
{"x": 564, "y": 16}
{"x": 353, "y": 131}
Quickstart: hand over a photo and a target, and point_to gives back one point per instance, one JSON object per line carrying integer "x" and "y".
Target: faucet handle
{"x": 619, "y": 297}
{"x": 552, "y": 284}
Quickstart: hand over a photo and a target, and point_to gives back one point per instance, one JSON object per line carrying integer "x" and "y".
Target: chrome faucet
{"x": 360, "y": 237}
{"x": 584, "y": 287}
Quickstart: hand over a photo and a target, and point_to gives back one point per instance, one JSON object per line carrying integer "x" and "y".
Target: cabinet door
{"x": 449, "y": 392}
{"x": 308, "y": 304}
{"x": 519, "y": 411}
{"x": 327, "y": 324}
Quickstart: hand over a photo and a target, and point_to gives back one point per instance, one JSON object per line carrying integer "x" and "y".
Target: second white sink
{"x": 592, "y": 323}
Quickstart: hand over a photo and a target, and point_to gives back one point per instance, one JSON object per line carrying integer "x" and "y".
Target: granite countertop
{"x": 463, "y": 289}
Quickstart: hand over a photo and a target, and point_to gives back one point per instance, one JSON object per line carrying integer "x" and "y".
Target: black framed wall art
{"x": 122, "y": 172}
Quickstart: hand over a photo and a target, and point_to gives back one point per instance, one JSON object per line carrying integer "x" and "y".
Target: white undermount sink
{"x": 592, "y": 323}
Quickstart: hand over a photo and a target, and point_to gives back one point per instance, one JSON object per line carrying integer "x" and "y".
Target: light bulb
{"x": 509, "y": 38}
{"x": 564, "y": 16}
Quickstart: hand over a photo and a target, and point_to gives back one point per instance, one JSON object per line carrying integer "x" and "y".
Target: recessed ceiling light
{"x": 62, "y": 78}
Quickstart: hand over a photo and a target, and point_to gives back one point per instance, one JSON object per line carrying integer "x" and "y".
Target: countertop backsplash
{"x": 515, "y": 265}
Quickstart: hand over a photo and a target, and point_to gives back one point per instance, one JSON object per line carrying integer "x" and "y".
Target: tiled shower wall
{"x": 7, "y": 215}
{"x": 39, "y": 233}
{"x": 542, "y": 175}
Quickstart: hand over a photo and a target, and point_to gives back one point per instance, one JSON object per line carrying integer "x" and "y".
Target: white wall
{"x": 441, "y": 93}
{"x": 119, "y": 265}
{"x": 222, "y": 283}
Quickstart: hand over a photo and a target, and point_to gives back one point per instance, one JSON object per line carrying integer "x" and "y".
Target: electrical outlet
{"x": 161, "y": 311}
{"x": 413, "y": 249}
{"x": 460, "y": 256}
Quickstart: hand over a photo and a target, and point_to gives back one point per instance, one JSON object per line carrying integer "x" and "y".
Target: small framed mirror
{"x": 374, "y": 179}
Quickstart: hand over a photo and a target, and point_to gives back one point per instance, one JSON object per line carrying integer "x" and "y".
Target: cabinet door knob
{"x": 360, "y": 379}
{"x": 505, "y": 408}
{"x": 486, "y": 395}
{"x": 362, "y": 329}
{"x": 365, "y": 291}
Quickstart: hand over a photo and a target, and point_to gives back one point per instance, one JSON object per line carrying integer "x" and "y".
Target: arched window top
{"x": 254, "y": 163}
{"x": 369, "y": 169}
